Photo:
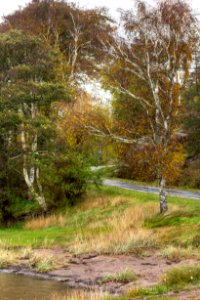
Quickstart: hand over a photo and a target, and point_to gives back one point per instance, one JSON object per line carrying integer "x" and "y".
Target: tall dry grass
{"x": 78, "y": 295}
{"x": 125, "y": 233}
{"x": 45, "y": 222}
{"x": 42, "y": 262}
{"x": 7, "y": 258}
{"x": 94, "y": 202}
{"x": 104, "y": 201}
{"x": 177, "y": 254}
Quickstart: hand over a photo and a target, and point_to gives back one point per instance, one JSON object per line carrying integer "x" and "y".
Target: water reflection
{"x": 16, "y": 287}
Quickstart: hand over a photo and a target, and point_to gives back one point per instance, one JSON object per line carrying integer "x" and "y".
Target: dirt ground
{"x": 86, "y": 271}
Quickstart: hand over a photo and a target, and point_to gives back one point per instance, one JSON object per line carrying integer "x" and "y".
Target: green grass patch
{"x": 124, "y": 276}
{"x": 97, "y": 220}
{"x": 174, "y": 219}
{"x": 142, "y": 197}
{"x": 162, "y": 298}
{"x": 152, "y": 291}
{"x": 182, "y": 276}
{"x": 174, "y": 279}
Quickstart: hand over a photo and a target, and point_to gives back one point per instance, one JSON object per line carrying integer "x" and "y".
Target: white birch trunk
{"x": 31, "y": 174}
{"x": 163, "y": 196}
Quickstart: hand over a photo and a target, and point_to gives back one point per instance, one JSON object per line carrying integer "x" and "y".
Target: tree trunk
{"x": 41, "y": 200}
{"x": 31, "y": 173}
{"x": 33, "y": 193}
{"x": 163, "y": 196}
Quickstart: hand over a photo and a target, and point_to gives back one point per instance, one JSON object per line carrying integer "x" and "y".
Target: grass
{"x": 79, "y": 295}
{"x": 46, "y": 222}
{"x": 124, "y": 276}
{"x": 173, "y": 280}
{"x": 182, "y": 276}
{"x": 174, "y": 218}
{"x": 42, "y": 263}
{"x": 25, "y": 253}
{"x": 7, "y": 258}
{"x": 177, "y": 254}
{"x": 123, "y": 233}
{"x": 163, "y": 298}
{"x": 159, "y": 289}
{"x": 111, "y": 220}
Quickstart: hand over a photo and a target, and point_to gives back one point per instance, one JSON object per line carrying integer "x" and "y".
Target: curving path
{"x": 151, "y": 189}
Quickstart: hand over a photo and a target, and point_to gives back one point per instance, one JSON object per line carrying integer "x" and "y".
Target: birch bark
{"x": 31, "y": 171}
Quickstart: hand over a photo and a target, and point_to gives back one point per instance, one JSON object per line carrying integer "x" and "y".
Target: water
{"x": 18, "y": 287}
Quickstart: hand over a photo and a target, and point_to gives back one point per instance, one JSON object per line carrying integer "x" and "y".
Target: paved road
{"x": 151, "y": 189}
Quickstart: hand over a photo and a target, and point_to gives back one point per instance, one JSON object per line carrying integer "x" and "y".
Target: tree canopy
{"x": 53, "y": 131}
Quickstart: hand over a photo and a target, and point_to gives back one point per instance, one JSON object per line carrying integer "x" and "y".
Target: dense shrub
{"x": 65, "y": 178}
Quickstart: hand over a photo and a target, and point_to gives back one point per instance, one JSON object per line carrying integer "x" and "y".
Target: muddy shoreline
{"x": 71, "y": 283}
{"x": 86, "y": 272}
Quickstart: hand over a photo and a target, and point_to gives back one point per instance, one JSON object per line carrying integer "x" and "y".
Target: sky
{"x": 8, "y": 6}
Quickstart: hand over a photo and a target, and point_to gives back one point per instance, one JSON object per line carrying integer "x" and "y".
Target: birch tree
{"x": 150, "y": 64}
{"x": 28, "y": 89}
{"x": 75, "y": 31}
